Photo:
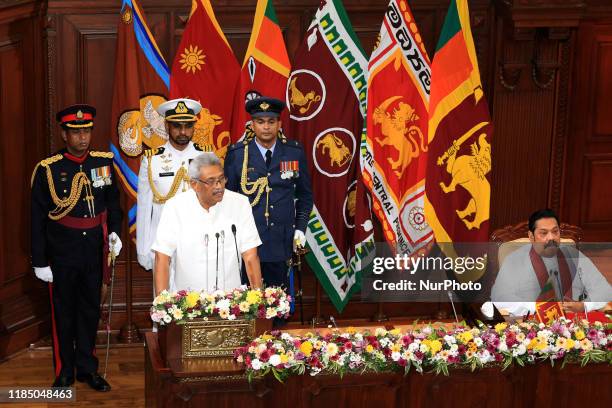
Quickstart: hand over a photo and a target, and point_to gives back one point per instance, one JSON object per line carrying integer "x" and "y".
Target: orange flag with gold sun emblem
{"x": 205, "y": 69}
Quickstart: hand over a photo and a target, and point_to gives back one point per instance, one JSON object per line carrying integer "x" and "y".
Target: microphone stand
{"x": 217, "y": 263}
{"x": 236, "y": 246}
{"x": 223, "y": 257}
{"x": 206, "y": 246}
{"x": 450, "y": 296}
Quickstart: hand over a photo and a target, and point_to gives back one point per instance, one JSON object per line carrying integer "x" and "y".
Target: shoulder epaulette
{"x": 51, "y": 160}
{"x": 205, "y": 148}
{"x": 154, "y": 152}
{"x": 236, "y": 145}
{"x": 106, "y": 155}
{"x": 45, "y": 163}
{"x": 292, "y": 143}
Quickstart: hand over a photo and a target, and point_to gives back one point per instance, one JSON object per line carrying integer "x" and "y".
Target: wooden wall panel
{"x": 23, "y": 301}
{"x": 588, "y": 190}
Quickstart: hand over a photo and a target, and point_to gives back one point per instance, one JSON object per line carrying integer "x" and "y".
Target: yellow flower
{"x": 369, "y": 348}
{"x": 284, "y": 358}
{"x": 579, "y": 334}
{"x": 318, "y": 344}
{"x": 532, "y": 343}
{"x": 541, "y": 344}
{"x": 395, "y": 332}
{"x": 192, "y": 298}
{"x": 396, "y": 347}
{"x": 266, "y": 337}
{"x": 570, "y": 344}
{"x": 465, "y": 337}
{"x": 253, "y": 296}
{"x": 306, "y": 348}
{"x": 472, "y": 347}
{"x": 500, "y": 327}
{"x": 435, "y": 346}
{"x": 351, "y": 330}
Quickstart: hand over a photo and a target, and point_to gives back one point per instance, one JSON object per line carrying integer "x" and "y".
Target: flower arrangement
{"x": 238, "y": 303}
{"x": 436, "y": 349}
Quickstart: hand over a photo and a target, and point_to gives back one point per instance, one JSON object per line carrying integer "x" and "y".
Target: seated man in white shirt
{"x": 210, "y": 229}
{"x": 525, "y": 273}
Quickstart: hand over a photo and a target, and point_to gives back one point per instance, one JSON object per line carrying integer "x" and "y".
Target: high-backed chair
{"x": 508, "y": 236}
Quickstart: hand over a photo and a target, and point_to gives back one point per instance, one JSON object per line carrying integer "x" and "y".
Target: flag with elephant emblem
{"x": 326, "y": 96}
{"x": 397, "y": 122}
{"x": 141, "y": 83}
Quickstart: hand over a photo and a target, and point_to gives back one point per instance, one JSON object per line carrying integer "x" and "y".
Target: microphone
{"x": 222, "y": 260}
{"x": 236, "y": 246}
{"x": 331, "y": 319}
{"x": 450, "y": 296}
{"x": 559, "y": 285}
{"x": 206, "y": 245}
{"x": 217, "y": 263}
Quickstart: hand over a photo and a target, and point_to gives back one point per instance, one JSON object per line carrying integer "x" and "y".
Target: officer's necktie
{"x": 268, "y": 158}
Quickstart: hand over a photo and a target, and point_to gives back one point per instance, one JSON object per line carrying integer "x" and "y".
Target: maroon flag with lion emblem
{"x": 326, "y": 96}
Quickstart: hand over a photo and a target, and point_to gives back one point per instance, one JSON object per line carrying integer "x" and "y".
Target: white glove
{"x": 44, "y": 274}
{"x": 487, "y": 309}
{"x": 299, "y": 240}
{"x": 114, "y": 244}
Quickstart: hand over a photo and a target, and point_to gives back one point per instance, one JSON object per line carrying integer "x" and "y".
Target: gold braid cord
{"x": 181, "y": 175}
{"x": 251, "y": 187}
{"x": 63, "y": 207}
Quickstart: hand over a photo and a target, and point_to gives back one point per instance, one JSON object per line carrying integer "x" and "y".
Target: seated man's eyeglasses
{"x": 211, "y": 182}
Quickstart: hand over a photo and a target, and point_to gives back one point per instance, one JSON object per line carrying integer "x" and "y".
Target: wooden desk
{"x": 222, "y": 383}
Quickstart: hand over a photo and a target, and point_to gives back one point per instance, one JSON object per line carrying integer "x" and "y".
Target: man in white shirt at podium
{"x": 209, "y": 230}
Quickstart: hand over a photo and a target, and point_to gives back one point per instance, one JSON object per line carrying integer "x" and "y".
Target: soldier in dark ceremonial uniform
{"x": 272, "y": 171}
{"x": 76, "y": 221}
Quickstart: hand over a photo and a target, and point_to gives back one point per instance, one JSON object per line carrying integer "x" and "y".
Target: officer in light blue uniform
{"x": 275, "y": 177}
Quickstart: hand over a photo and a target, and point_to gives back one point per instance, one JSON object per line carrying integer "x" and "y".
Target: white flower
{"x": 484, "y": 356}
{"x": 502, "y": 346}
{"x": 256, "y": 364}
{"x": 450, "y": 340}
{"x": 395, "y": 356}
{"x": 275, "y": 360}
{"x": 223, "y": 304}
{"x": 270, "y": 313}
{"x": 603, "y": 341}
{"x": 231, "y": 317}
{"x": 380, "y": 331}
{"x": 478, "y": 341}
{"x": 286, "y": 336}
{"x": 424, "y": 348}
{"x": 519, "y": 351}
{"x": 412, "y": 347}
{"x": 454, "y": 348}
{"x": 177, "y": 314}
{"x": 167, "y": 318}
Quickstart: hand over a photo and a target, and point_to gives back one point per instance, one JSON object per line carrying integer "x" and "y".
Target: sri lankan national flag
{"x": 141, "y": 83}
{"x": 458, "y": 172}
{"x": 396, "y": 149}
{"x": 205, "y": 69}
{"x": 326, "y": 95}
{"x": 266, "y": 65}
